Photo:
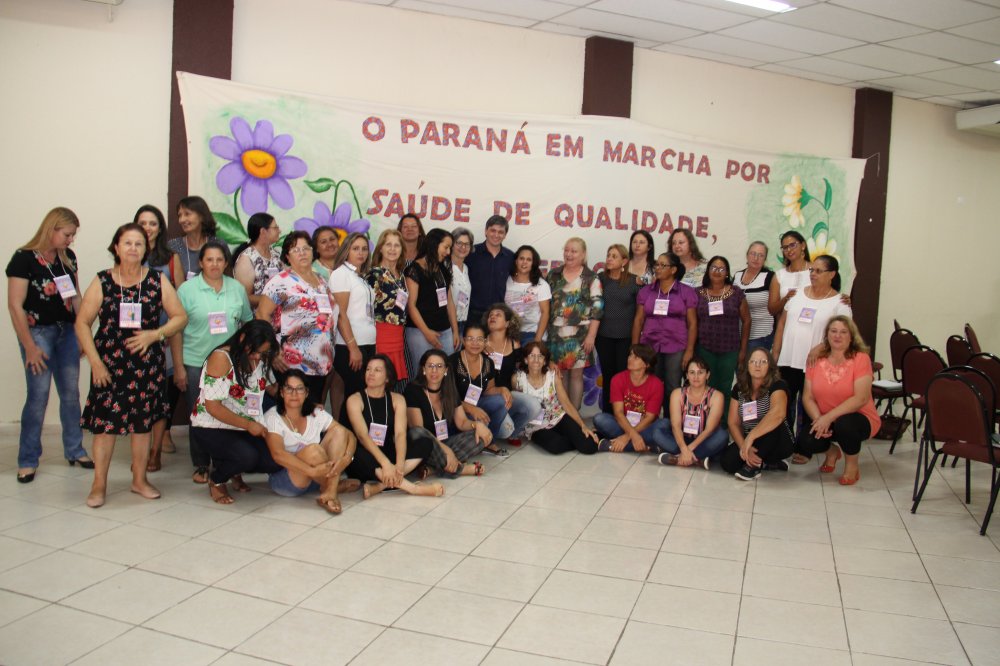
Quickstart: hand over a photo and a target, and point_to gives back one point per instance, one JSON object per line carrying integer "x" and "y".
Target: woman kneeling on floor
{"x": 435, "y": 414}
{"x": 378, "y": 417}
{"x": 312, "y": 448}
{"x": 838, "y": 399}
{"x": 761, "y": 436}
{"x": 695, "y": 415}
{"x": 636, "y": 400}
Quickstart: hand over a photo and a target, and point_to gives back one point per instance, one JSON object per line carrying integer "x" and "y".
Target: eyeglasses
{"x": 480, "y": 338}
{"x": 819, "y": 270}
{"x": 788, "y": 246}
{"x": 661, "y": 265}
{"x": 294, "y": 390}
{"x": 302, "y": 249}
{"x": 434, "y": 366}
{"x": 757, "y": 255}
{"x": 463, "y": 244}
{"x": 718, "y": 269}
{"x": 757, "y": 362}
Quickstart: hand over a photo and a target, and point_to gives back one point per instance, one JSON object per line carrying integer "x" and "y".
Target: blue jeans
{"x": 527, "y": 336}
{"x": 58, "y": 341}
{"x": 505, "y": 422}
{"x": 765, "y": 342}
{"x": 710, "y": 447}
{"x": 416, "y": 345}
{"x": 198, "y": 449}
{"x": 654, "y": 435}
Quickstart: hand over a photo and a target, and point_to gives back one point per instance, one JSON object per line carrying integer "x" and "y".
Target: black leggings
{"x": 772, "y": 448}
{"x": 364, "y": 465}
{"x": 354, "y": 380}
{"x": 612, "y": 353}
{"x": 564, "y": 436}
{"x": 235, "y": 452}
{"x": 848, "y": 430}
{"x": 796, "y": 380}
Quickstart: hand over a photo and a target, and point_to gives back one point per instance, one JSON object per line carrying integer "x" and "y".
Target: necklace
{"x": 291, "y": 425}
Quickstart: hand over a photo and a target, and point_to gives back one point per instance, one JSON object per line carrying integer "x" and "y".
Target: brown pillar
{"x": 203, "y": 44}
{"x": 607, "y": 78}
{"x": 872, "y": 131}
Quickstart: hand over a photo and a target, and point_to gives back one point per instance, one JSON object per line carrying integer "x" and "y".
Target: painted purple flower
{"x": 340, "y": 220}
{"x": 259, "y": 165}
{"x": 592, "y": 382}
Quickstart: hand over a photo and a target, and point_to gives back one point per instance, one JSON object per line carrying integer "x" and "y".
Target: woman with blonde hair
{"x": 389, "y": 286}
{"x": 43, "y": 299}
{"x": 355, "y": 302}
{"x": 575, "y": 314}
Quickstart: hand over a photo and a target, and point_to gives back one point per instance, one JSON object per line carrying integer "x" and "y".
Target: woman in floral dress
{"x": 126, "y": 358}
{"x": 389, "y": 285}
{"x": 575, "y": 313}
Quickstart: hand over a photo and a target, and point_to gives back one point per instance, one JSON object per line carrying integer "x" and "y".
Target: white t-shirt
{"x": 788, "y": 280}
{"x": 360, "y": 304}
{"x": 316, "y": 424}
{"x": 804, "y": 329}
{"x": 523, "y": 298}
{"x": 461, "y": 291}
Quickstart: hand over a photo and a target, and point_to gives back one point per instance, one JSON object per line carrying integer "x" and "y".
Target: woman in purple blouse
{"x": 723, "y": 324}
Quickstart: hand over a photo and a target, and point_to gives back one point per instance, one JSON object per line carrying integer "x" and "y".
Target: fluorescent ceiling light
{"x": 996, "y": 62}
{"x": 768, "y": 5}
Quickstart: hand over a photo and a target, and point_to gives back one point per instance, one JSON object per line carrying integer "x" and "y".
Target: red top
{"x": 646, "y": 397}
{"x": 833, "y": 384}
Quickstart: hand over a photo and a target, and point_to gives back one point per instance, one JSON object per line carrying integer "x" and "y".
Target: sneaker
{"x": 706, "y": 463}
{"x": 780, "y": 466}
{"x": 748, "y": 473}
{"x": 667, "y": 459}
{"x": 604, "y": 445}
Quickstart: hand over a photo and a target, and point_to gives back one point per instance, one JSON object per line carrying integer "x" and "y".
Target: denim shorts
{"x": 281, "y": 484}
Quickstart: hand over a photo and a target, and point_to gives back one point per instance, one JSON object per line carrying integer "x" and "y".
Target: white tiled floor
{"x": 608, "y": 559}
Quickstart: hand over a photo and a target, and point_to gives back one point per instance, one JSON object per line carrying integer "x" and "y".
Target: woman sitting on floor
{"x": 695, "y": 415}
{"x": 636, "y": 400}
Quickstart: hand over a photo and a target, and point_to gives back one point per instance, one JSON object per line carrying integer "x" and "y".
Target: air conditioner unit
{"x": 984, "y": 120}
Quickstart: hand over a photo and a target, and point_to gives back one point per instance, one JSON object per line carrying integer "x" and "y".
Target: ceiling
{"x": 940, "y": 51}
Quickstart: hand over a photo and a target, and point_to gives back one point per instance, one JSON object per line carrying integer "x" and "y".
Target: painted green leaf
{"x": 828, "y": 197}
{"x": 229, "y": 228}
{"x": 804, "y": 198}
{"x": 321, "y": 185}
{"x": 820, "y": 228}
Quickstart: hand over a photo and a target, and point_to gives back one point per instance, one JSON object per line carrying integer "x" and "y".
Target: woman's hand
{"x": 587, "y": 432}
{"x": 256, "y": 429}
{"x": 483, "y": 433}
{"x": 508, "y": 399}
{"x": 687, "y": 458}
{"x": 390, "y": 476}
{"x": 355, "y": 356}
{"x": 791, "y": 293}
{"x": 618, "y": 443}
{"x": 821, "y": 427}
{"x": 320, "y": 473}
{"x": 434, "y": 339}
{"x": 34, "y": 360}
{"x": 451, "y": 462}
{"x": 180, "y": 379}
{"x": 141, "y": 341}
{"x": 279, "y": 363}
{"x": 99, "y": 374}
{"x": 638, "y": 443}
{"x": 588, "y": 343}
{"x": 476, "y": 413}
{"x": 686, "y": 358}
{"x": 739, "y": 359}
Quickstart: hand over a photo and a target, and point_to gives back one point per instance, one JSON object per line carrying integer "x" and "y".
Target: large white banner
{"x": 356, "y": 165}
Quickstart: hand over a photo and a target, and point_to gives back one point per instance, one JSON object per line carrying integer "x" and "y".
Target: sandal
{"x": 847, "y": 481}
{"x": 239, "y": 485}
{"x": 200, "y": 475}
{"x": 799, "y": 459}
{"x": 219, "y": 494}
{"x": 477, "y": 469}
{"x": 496, "y": 450}
{"x": 330, "y": 505}
{"x": 827, "y": 469}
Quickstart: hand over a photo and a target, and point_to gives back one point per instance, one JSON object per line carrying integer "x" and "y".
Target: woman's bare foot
{"x": 239, "y": 485}
{"x": 348, "y": 486}
{"x": 219, "y": 494}
{"x": 370, "y": 490}
{"x": 799, "y": 459}
{"x": 96, "y": 498}
{"x": 429, "y": 490}
{"x": 168, "y": 444}
{"x": 145, "y": 490}
{"x": 154, "y": 464}
{"x": 330, "y": 504}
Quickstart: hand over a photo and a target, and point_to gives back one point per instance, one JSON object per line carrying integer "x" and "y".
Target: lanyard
{"x": 121, "y": 288}
{"x": 372, "y": 412}
{"x": 482, "y": 369}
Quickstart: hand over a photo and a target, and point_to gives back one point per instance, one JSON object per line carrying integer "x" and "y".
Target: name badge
{"x": 749, "y": 410}
{"x": 217, "y": 323}
{"x": 130, "y": 315}
{"x": 472, "y": 395}
{"x": 190, "y": 274}
{"x": 519, "y": 306}
{"x": 441, "y": 429}
{"x": 442, "y": 294}
{"x": 661, "y": 306}
{"x": 715, "y": 308}
{"x": 254, "y": 403}
{"x": 323, "y": 303}
{"x": 402, "y": 298}
{"x": 298, "y": 445}
{"x": 64, "y": 284}
{"x": 633, "y": 417}
{"x": 807, "y": 315}
{"x": 497, "y": 359}
{"x": 377, "y": 432}
{"x": 692, "y": 424}
{"x": 463, "y": 298}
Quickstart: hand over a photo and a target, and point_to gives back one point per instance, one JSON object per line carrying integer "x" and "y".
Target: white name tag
{"x": 715, "y": 308}
{"x": 377, "y": 432}
{"x": 807, "y": 315}
{"x": 749, "y": 410}
{"x": 633, "y": 418}
{"x": 442, "y": 294}
{"x": 323, "y": 303}
{"x": 692, "y": 424}
{"x": 661, "y": 306}
{"x": 472, "y": 395}
{"x": 190, "y": 274}
{"x": 441, "y": 429}
{"x": 497, "y": 359}
{"x": 254, "y": 403}
{"x": 217, "y": 323}
{"x": 64, "y": 284}
{"x": 130, "y": 315}
{"x": 402, "y": 298}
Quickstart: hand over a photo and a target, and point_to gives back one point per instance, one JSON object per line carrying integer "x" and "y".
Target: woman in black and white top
{"x": 755, "y": 281}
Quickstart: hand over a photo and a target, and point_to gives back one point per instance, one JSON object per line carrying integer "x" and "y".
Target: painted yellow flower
{"x": 821, "y": 245}
{"x": 793, "y": 202}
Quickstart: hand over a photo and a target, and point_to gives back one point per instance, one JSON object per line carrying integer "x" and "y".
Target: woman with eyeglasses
{"x": 685, "y": 248}
{"x": 257, "y": 261}
{"x": 355, "y": 301}
{"x": 300, "y": 307}
{"x": 641, "y": 256}
{"x": 216, "y": 306}
{"x": 389, "y": 288}
{"x": 528, "y": 295}
{"x": 723, "y": 324}
{"x": 558, "y": 428}
{"x": 312, "y": 449}
{"x": 228, "y": 415}
{"x": 436, "y": 413}
{"x": 800, "y": 328}
{"x": 614, "y": 335}
{"x": 757, "y": 407}
{"x": 794, "y": 276}
{"x": 666, "y": 320}
{"x": 461, "y": 287}
{"x": 755, "y": 281}
{"x": 431, "y": 322}
{"x": 378, "y": 418}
